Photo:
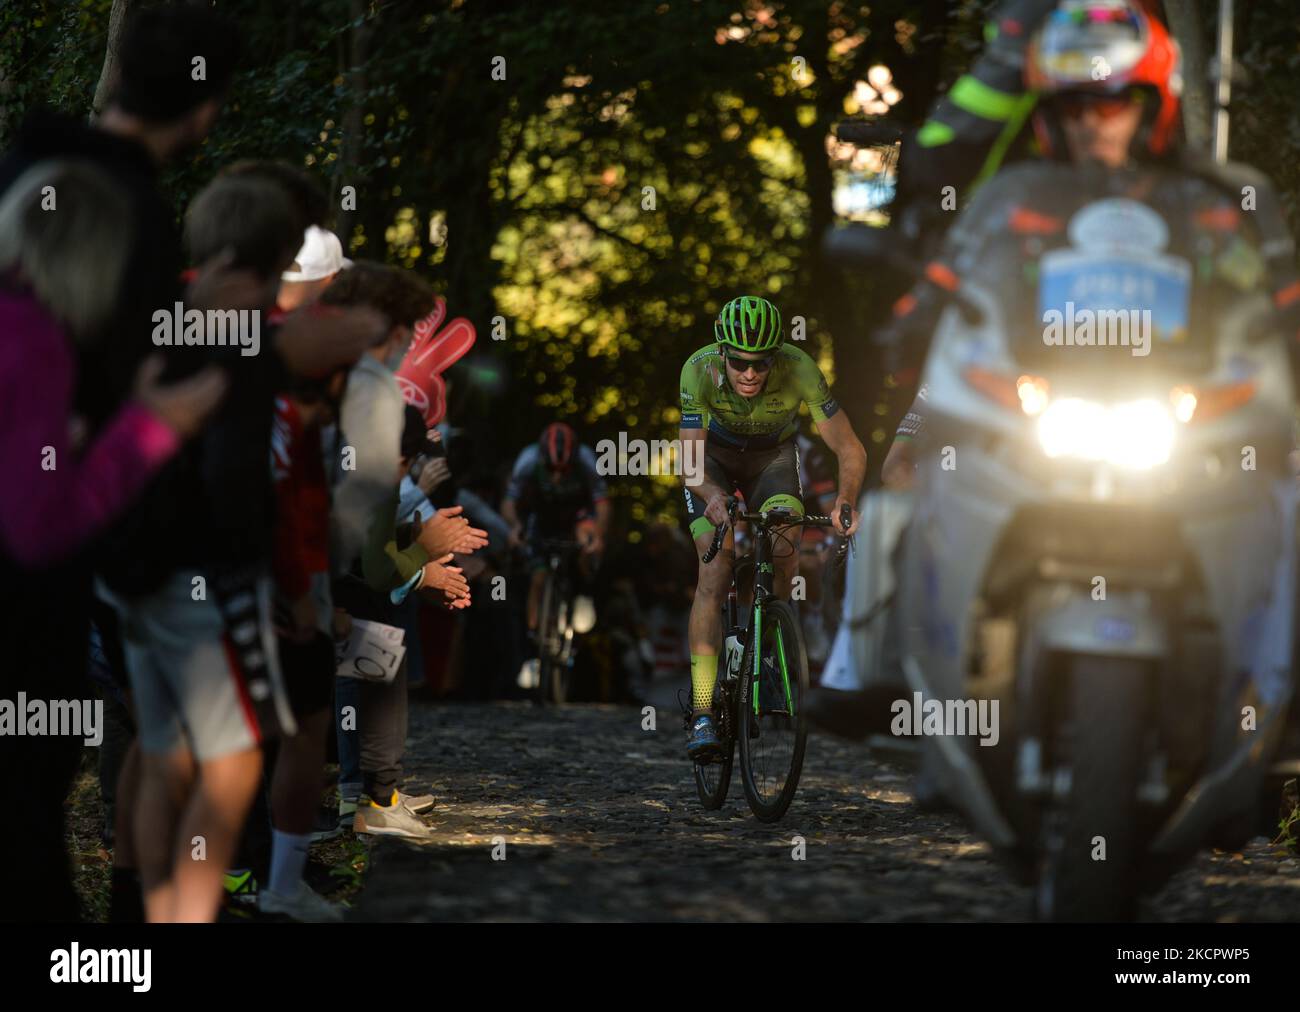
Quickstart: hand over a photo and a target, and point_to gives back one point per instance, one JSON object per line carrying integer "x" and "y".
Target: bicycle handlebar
{"x": 558, "y": 544}
{"x": 772, "y": 518}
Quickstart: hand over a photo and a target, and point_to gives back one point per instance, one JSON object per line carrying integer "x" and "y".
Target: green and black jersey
{"x": 709, "y": 402}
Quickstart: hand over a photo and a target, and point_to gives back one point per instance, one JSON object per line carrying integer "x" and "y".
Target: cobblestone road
{"x": 600, "y": 822}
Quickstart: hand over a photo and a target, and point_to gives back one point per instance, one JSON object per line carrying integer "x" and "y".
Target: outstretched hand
{"x": 448, "y": 580}
{"x": 449, "y": 532}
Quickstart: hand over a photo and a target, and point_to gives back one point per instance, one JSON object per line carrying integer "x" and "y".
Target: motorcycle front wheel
{"x": 1092, "y": 847}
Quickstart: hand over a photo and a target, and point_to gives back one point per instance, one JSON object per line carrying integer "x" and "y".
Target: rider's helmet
{"x": 557, "y": 444}
{"x": 1106, "y": 47}
{"x": 749, "y": 323}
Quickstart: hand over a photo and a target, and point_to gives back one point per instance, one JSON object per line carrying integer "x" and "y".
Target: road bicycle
{"x": 763, "y": 674}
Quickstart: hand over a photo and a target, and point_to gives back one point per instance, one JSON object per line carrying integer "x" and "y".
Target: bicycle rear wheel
{"x": 713, "y": 779}
{"x": 546, "y": 640}
{"x": 773, "y": 735}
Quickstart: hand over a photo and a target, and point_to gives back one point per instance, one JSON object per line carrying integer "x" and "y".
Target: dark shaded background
{"x": 534, "y": 186}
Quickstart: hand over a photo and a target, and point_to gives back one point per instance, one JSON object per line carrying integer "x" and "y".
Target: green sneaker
{"x": 240, "y": 886}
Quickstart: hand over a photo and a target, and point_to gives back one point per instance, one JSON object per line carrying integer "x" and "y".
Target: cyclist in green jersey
{"x": 740, "y": 399}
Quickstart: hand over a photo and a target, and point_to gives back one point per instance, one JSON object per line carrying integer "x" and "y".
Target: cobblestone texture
{"x": 600, "y": 821}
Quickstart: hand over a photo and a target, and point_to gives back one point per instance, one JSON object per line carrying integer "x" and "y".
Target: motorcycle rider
{"x": 1125, "y": 125}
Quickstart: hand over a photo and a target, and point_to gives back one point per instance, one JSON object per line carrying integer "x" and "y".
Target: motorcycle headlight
{"x": 1138, "y": 435}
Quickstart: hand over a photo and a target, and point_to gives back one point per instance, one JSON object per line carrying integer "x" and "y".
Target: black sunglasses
{"x": 757, "y": 364}
{"x": 1074, "y": 103}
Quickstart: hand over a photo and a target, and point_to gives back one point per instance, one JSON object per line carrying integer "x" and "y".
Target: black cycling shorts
{"x": 766, "y": 479}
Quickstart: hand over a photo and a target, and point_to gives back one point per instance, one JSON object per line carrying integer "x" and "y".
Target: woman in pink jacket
{"x": 65, "y": 233}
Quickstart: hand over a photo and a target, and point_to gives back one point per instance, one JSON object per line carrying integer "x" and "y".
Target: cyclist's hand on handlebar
{"x": 716, "y": 509}
{"x": 837, "y": 512}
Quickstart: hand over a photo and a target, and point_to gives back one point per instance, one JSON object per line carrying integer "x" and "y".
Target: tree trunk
{"x": 108, "y": 74}
{"x": 1198, "y": 113}
{"x": 353, "y": 127}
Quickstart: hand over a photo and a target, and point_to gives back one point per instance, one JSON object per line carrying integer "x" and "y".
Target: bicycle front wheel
{"x": 771, "y": 726}
{"x": 560, "y": 663}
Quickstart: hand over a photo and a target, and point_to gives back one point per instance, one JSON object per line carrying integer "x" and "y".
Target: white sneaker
{"x": 305, "y": 905}
{"x": 416, "y": 803}
{"x": 393, "y": 820}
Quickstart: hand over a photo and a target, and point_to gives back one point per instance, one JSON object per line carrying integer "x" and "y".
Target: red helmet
{"x": 558, "y": 443}
{"x": 1107, "y": 47}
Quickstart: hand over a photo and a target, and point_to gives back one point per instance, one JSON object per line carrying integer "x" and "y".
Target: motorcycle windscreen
{"x": 1097, "y": 308}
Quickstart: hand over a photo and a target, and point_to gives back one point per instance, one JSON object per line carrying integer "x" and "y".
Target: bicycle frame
{"x": 764, "y": 571}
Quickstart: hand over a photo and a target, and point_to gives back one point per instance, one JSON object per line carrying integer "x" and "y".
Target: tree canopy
{"x": 591, "y": 181}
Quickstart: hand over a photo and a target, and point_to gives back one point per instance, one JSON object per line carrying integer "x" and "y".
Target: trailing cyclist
{"x": 556, "y": 492}
{"x": 740, "y": 399}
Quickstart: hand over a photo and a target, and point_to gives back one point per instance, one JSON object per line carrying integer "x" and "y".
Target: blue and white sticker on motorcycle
{"x": 1115, "y": 266}
{"x": 1115, "y": 630}
{"x": 1076, "y": 286}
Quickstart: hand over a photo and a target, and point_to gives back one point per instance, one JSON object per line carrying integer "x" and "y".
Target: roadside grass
{"x": 336, "y": 868}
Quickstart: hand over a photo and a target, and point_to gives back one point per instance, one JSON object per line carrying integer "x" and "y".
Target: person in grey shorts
{"x": 189, "y": 689}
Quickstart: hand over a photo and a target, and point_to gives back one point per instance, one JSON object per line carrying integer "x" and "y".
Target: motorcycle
{"x": 1102, "y": 558}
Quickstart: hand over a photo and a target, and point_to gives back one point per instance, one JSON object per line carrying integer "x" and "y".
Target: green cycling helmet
{"x": 749, "y": 324}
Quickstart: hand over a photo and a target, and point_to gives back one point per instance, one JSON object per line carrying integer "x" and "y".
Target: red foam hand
{"x": 425, "y": 328}
{"x": 432, "y": 353}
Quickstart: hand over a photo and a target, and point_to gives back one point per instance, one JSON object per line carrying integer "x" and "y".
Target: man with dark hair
{"x": 372, "y": 420}
{"x": 202, "y": 659}
{"x": 308, "y": 196}
{"x": 173, "y": 62}
{"x": 158, "y": 111}
{"x": 250, "y": 219}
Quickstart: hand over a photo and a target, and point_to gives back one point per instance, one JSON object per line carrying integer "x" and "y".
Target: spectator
{"x": 158, "y": 112}
{"x": 301, "y": 569}
{"x": 60, "y": 272}
{"x": 372, "y": 420}
{"x": 203, "y": 665}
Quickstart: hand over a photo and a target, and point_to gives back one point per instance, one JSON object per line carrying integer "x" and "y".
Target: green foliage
{"x": 524, "y": 198}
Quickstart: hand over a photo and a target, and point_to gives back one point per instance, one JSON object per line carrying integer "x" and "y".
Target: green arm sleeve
{"x": 382, "y": 564}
